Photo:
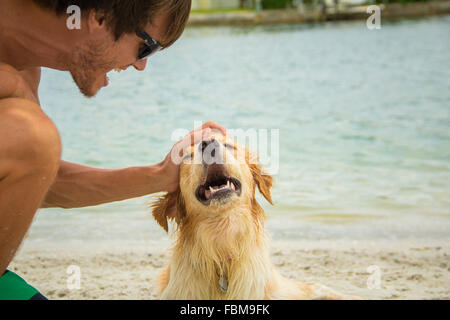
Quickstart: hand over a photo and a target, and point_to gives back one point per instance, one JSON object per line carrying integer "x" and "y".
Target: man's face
{"x": 100, "y": 54}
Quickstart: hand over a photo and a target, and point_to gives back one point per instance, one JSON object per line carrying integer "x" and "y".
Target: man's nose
{"x": 140, "y": 65}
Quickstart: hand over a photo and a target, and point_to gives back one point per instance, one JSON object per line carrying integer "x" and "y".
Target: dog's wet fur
{"x": 222, "y": 249}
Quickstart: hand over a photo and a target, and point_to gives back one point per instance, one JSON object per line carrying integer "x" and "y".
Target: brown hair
{"x": 129, "y": 16}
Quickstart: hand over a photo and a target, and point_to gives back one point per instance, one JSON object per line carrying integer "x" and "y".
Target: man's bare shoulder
{"x": 15, "y": 85}
{"x": 10, "y": 80}
{"x": 16, "y": 97}
{"x": 20, "y": 118}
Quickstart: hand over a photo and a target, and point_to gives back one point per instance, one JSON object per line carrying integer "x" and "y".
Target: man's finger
{"x": 205, "y": 130}
{"x": 199, "y": 134}
{"x": 195, "y": 136}
{"x": 190, "y": 139}
{"x": 214, "y": 125}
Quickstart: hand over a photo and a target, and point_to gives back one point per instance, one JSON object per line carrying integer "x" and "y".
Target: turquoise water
{"x": 363, "y": 118}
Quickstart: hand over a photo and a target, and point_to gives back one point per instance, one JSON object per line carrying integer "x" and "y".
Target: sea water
{"x": 363, "y": 120}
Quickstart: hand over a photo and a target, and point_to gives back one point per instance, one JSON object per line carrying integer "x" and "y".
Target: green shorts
{"x": 13, "y": 287}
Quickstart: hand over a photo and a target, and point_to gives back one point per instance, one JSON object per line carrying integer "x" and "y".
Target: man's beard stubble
{"x": 88, "y": 65}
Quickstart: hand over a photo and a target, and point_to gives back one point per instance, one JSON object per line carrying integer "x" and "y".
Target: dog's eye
{"x": 229, "y": 146}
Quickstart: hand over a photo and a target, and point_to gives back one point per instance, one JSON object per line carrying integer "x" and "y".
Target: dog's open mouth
{"x": 218, "y": 188}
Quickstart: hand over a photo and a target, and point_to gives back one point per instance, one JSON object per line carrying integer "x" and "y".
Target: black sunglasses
{"x": 151, "y": 46}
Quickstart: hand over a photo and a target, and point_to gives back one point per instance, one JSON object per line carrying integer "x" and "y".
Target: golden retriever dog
{"x": 222, "y": 249}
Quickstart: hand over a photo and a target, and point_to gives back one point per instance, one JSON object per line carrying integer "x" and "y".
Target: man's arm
{"x": 30, "y": 151}
{"x": 81, "y": 186}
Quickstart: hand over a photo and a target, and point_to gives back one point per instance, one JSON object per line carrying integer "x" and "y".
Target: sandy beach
{"x": 407, "y": 271}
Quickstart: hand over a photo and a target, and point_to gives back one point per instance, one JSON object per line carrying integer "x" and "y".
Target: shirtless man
{"x": 34, "y": 34}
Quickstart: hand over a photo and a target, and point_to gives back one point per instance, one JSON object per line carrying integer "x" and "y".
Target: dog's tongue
{"x": 207, "y": 194}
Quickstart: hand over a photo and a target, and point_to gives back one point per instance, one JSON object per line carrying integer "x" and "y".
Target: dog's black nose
{"x": 209, "y": 149}
{"x": 206, "y": 143}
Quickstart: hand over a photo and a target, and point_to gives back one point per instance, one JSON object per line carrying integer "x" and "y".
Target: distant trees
{"x": 276, "y": 4}
{"x": 282, "y": 4}
{"x": 399, "y": 1}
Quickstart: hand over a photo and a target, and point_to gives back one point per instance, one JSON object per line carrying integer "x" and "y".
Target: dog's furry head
{"x": 217, "y": 176}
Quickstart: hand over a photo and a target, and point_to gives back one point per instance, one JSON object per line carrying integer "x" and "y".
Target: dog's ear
{"x": 169, "y": 207}
{"x": 263, "y": 181}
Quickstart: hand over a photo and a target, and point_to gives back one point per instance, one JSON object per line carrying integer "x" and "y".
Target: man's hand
{"x": 170, "y": 169}
{"x": 78, "y": 186}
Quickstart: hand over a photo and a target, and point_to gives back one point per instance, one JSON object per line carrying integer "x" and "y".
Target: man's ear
{"x": 263, "y": 181}
{"x": 169, "y": 207}
{"x": 96, "y": 20}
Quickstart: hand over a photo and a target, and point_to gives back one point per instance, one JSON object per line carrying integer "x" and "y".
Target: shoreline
{"x": 293, "y": 16}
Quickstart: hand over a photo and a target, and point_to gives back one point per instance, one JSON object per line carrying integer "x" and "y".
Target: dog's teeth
{"x": 228, "y": 183}
{"x": 211, "y": 189}
{"x": 232, "y": 186}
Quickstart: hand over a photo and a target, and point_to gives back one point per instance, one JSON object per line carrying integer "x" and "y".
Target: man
{"x": 114, "y": 34}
